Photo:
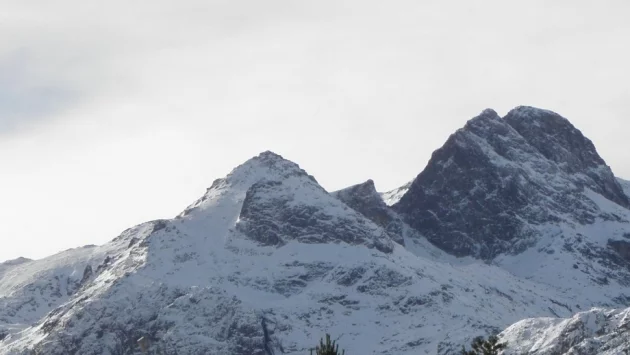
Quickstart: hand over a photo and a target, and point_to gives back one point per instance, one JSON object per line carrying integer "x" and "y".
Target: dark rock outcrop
{"x": 272, "y": 215}
{"x": 622, "y": 248}
{"x": 559, "y": 141}
{"x": 485, "y": 191}
{"x": 364, "y": 199}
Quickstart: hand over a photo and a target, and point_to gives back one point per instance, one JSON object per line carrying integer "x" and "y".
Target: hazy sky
{"x": 117, "y": 112}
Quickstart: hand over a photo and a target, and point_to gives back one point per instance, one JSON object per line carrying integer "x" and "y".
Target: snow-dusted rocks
{"x": 559, "y": 141}
{"x": 364, "y": 199}
{"x": 246, "y": 269}
{"x": 391, "y": 197}
{"x": 495, "y": 181}
{"x": 30, "y": 289}
{"x": 596, "y": 332}
{"x": 267, "y": 261}
{"x": 529, "y": 193}
{"x": 276, "y": 212}
{"x": 625, "y": 185}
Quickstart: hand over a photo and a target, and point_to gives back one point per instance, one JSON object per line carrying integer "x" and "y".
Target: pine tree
{"x": 327, "y": 348}
{"x": 485, "y": 347}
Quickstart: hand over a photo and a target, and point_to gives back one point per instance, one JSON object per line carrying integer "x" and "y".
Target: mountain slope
{"x": 625, "y": 185}
{"x": 513, "y": 218}
{"x": 30, "y": 289}
{"x": 527, "y": 192}
{"x": 264, "y": 263}
{"x": 598, "y": 331}
{"x": 364, "y": 199}
{"x": 485, "y": 191}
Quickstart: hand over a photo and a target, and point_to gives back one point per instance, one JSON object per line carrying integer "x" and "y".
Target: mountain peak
{"x": 360, "y": 196}
{"x": 266, "y": 166}
{"x": 364, "y": 199}
{"x": 271, "y": 160}
{"x": 559, "y": 141}
{"x": 525, "y": 111}
{"x": 529, "y": 168}
{"x": 365, "y": 188}
{"x": 487, "y": 116}
{"x": 267, "y": 258}
{"x": 489, "y": 113}
{"x": 554, "y": 136}
{"x": 272, "y": 201}
{"x": 268, "y": 155}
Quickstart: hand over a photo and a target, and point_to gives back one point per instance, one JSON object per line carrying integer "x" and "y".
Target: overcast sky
{"x": 117, "y": 112}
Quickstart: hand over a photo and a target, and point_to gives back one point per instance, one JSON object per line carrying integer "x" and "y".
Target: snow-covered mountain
{"x": 496, "y": 181}
{"x": 267, "y": 260}
{"x": 264, "y": 263}
{"x": 527, "y": 192}
{"x": 598, "y": 331}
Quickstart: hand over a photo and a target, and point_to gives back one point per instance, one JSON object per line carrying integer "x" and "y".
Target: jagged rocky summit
{"x": 497, "y": 180}
{"x": 513, "y": 218}
{"x": 366, "y": 200}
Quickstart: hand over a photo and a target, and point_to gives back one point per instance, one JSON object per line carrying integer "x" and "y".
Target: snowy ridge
{"x": 17, "y": 261}
{"x": 392, "y": 197}
{"x": 203, "y": 282}
{"x": 267, "y": 261}
{"x": 511, "y": 172}
{"x": 598, "y": 331}
{"x": 30, "y": 289}
{"x": 527, "y": 192}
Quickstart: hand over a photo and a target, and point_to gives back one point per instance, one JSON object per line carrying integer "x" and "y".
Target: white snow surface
{"x": 393, "y": 196}
{"x": 200, "y": 285}
{"x": 598, "y": 331}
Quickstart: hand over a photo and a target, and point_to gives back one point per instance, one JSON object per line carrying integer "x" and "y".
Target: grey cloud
{"x": 25, "y": 96}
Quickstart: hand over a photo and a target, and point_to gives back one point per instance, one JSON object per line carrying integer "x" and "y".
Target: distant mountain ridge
{"x": 513, "y": 218}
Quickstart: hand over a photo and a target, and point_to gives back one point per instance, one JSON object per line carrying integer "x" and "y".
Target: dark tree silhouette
{"x": 480, "y": 346}
{"x": 327, "y": 348}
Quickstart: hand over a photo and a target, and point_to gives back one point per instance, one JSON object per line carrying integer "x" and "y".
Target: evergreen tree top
{"x": 327, "y": 348}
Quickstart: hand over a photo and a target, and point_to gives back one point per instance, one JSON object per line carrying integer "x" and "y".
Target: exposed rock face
{"x": 622, "y": 247}
{"x": 625, "y": 185}
{"x": 364, "y": 199}
{"x": 598, "y": 331}
{"x": 560, "y": 142}
{"x": 273, "y": 214}
{"x": 289, "y": 204}
{"x": 112, "y": 327}
{"x": 267, "y": 261}
{"x": 495, "y": 180}
{"x": 264, "y": 263}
